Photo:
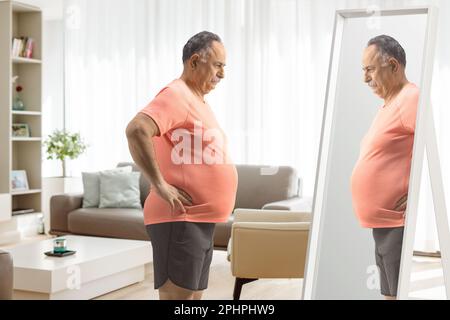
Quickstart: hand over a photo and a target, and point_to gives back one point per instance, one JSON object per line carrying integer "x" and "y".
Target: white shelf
{"x": 31, "y": 191}
{"x": 26, "y": 214}
{"x": 25, "y": 60}
{"x": 22, "y": 7}
{"x": 25, "y": 139}
{"x": 27, "y": 113}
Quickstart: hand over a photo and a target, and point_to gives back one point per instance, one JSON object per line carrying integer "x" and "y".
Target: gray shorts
{"x": 182, "y": 251}
{"x": 388, "y": 252}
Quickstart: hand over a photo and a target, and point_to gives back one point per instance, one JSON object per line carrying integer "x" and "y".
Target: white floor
{"x": 427, "y": 279}
{"x": 427, "y": 283}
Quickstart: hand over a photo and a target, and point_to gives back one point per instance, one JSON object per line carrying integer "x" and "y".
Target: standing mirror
{"x": 341, "y": 254}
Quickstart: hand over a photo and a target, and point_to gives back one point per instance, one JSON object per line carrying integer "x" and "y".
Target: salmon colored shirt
{"x": 192, "y": 155}
{"x": 381, "y": 175}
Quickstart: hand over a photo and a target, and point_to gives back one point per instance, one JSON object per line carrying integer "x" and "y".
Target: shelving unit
{"x": 20, "y": 153}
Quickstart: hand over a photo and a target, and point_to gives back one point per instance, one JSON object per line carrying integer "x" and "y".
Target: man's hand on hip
{"x": 174, "y": 196}
{"x": 401, "y": 204}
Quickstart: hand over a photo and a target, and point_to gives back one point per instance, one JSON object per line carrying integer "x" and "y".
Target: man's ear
{"x": 395, "y": 65}
{"x": 193, "y": 61}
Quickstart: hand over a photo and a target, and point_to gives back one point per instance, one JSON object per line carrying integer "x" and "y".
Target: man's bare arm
{"x": 140, "y": 132}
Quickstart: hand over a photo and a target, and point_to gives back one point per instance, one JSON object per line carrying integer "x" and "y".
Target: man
{"x": 192, "y": 187}
{"x": 380, "y": 178}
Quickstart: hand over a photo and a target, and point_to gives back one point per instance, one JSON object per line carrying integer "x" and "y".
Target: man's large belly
{"x": 211, "y": 187}
{"x": 375, "y": 192}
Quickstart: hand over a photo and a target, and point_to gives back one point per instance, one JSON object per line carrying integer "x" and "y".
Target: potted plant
{"x": 62, "y": 145}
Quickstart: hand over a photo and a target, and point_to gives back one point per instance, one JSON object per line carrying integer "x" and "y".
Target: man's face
{"x": 210, "y": 68}
{"x": 378, "y": 74}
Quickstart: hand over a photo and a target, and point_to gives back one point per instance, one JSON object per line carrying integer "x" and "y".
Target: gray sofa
{"x": 279, "y": 191}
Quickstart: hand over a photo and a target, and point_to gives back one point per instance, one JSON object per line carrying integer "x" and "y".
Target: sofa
{"x": 6, "y": 276}
{"x": 259, "y": 187}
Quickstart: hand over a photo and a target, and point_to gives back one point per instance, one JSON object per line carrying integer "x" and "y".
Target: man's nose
{"x": 221, "y": 74}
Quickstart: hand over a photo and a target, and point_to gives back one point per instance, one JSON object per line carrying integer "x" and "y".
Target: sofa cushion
{"x": 111, "y": 222}
{"x": 144, "y": 185}
{"x": 259, "y": 185}
{"x": 91, "y": 186}
{"x": 119, "y": 190}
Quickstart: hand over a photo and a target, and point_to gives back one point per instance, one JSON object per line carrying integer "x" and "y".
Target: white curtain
{"x": 120, "y": 53}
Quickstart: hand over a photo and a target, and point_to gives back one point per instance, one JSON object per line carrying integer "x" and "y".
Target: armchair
{"x": 267, "y": 244}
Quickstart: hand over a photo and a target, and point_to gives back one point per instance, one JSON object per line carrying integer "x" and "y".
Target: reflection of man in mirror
{"x": 380, "y": 178}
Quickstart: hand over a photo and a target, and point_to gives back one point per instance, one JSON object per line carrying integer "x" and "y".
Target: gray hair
{"x": 389, "y": 48}
{"x": 200, "y": 44}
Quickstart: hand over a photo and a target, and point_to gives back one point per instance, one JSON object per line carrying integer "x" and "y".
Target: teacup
{"x": 59, "y": 245}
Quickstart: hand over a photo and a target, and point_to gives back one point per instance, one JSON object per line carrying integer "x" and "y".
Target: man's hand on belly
{"x": 401, "y": 204}
{"x": 174, "y": 196}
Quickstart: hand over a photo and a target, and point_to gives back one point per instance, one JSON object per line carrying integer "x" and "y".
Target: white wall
{"x": 53, "y": 88}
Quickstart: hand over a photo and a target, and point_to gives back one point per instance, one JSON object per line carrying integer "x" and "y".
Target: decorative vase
{"x": 18, "y": 104}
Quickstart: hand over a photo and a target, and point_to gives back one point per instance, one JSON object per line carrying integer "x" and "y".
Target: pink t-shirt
{"x": 192, "y": 155}
{"x": 381, "y": 175}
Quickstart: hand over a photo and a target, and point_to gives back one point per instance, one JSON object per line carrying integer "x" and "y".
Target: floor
{"x": 220, "y": 286}
{"x": 427, "y": 279}
{"x": 426, "y": 282}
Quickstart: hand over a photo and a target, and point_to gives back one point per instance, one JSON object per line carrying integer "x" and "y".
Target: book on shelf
{"x": 23, "y": 47}
{"x": 21, "y": 211}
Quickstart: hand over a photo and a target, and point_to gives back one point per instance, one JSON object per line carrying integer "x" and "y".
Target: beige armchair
{"x": 267, "y": 244}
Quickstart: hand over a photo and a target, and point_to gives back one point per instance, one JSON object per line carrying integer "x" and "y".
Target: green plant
{"x": 62, "y": 145}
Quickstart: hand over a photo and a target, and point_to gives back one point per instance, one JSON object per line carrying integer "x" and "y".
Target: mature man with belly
{"x": 380, "y": 179}
{"x": 178, "y": 144}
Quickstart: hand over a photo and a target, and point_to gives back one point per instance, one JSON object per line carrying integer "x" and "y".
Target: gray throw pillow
{"x": 91, "y": 186}
{"x": 120, "y": 190}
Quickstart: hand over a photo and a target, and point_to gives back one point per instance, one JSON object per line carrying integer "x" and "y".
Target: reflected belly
{"x": 375, "y": 188}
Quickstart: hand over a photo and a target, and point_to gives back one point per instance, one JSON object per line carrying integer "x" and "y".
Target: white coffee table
{"x": 100, "y": 265}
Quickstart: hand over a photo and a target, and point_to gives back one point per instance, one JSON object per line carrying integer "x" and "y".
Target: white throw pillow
{"x": 120, "y": 190}
{"x": 91, "y": 186}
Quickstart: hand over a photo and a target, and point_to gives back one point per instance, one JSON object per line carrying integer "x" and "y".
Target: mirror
{"x": 341, "y": 255}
